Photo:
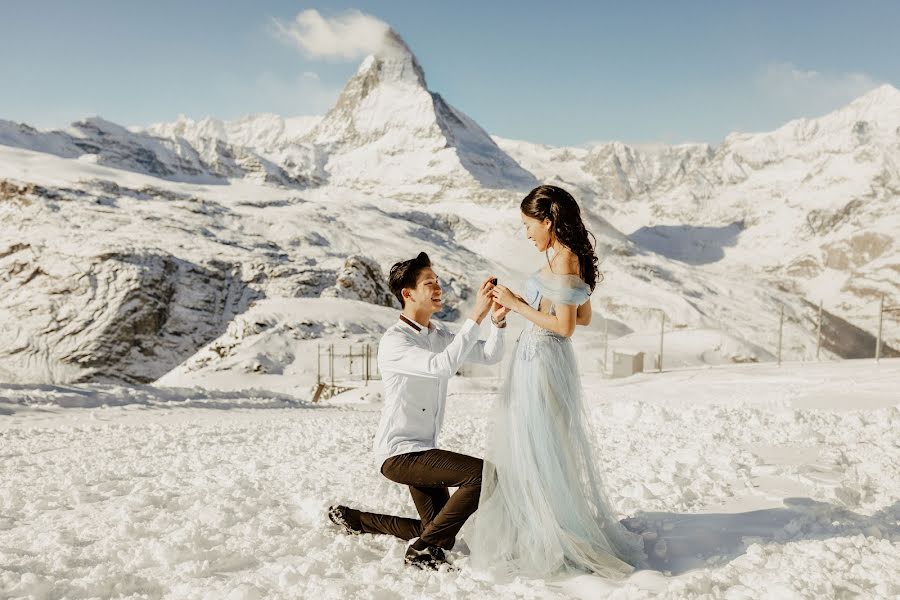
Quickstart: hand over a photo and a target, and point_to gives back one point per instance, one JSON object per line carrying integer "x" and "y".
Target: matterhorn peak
{"x": 395, "y": 61}
{"x": 387, "y": 126}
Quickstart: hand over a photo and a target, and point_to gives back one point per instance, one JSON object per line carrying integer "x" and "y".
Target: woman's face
{"x": 537, "y": 231}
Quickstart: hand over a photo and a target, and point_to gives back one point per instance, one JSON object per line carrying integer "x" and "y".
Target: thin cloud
{"x": 348, "y": 36}
{"x": 304, "y": 94}
{"x": 812, "y": 92}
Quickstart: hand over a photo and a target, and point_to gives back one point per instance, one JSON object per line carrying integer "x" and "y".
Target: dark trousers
{"x": 428, "y": 475}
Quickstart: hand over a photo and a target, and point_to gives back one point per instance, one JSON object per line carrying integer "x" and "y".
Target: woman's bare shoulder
{"x": 567, "y": 264}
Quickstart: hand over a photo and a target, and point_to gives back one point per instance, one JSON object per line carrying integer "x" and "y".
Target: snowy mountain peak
{"x": 388, "y": 85}
{"x": 881, "y": 105}
{"x": 884, "y": 95}
{"x": 386, "y": 126}
{"x": 260, "y": 131}
{"x": 97, "y": 125}
{"x": 189, "y": 129}
{"x": 394, "y": 62}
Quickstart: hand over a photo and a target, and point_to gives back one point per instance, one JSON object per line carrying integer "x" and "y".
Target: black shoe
{"x": 431, "y": 557}
{"x": 345, "y": 518}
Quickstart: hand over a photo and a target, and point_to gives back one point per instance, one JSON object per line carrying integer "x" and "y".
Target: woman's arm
{"x": 583, "y": 314}
{"x": 562, "y": 323}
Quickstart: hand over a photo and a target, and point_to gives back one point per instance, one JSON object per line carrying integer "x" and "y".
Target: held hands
{"x": 504, "y": 297}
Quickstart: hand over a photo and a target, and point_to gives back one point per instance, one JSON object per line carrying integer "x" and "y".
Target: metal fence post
{"x": 780, "y": 333}
{"x": 350, "y": 367}
{"x": 331, "y": 363}
{"x": 366, "y": 367}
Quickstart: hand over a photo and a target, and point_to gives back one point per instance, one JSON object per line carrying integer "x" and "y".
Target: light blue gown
{"x": 542, "y": 510}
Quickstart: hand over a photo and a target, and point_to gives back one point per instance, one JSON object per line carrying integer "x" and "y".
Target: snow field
{"x": 746, "y": 482}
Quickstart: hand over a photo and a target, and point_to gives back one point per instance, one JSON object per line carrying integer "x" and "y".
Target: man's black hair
{"x": 405, "y": 274}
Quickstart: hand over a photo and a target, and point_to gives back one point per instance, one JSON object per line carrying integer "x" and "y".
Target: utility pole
{"x": 884, "y": 309}
{"x": 662, "y": 333}
{"x": 819, "y": 332}
{"x": 780, "y": 333}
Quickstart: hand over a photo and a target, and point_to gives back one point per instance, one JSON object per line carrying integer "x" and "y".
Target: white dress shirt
{"x": 415, "y": 366}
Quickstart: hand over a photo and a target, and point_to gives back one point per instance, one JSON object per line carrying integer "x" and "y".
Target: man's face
{"x": 427, "y": 293}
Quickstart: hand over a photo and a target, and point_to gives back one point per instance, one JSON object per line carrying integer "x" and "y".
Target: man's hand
{"x": 483, "y": 300}
{"x": 499, "y": 312}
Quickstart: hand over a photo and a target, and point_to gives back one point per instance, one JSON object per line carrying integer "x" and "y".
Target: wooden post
{"x": 819, "y": 332}
{"x": 780, "y": 333}
{"x": 331, "y": 363}
{"x": 318, "y": 392}
{"x": 878, "y": 339}
{"x": 366, "y": 367}
{"x": 318, "y": 364}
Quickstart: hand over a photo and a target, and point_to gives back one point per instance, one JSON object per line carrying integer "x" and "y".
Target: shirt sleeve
{"x": 398, "y": 354}
{"x": 489, "y": 351}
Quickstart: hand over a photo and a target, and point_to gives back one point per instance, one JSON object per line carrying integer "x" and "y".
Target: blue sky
{"x": 567, "y": 73}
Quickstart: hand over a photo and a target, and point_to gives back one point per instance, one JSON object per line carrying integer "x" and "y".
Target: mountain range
{"x": 128, "y": 253}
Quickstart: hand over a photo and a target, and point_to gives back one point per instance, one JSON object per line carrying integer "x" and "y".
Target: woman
{"x": 542, "y": 509}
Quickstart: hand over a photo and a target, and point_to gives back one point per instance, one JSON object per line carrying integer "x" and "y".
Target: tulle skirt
{"x": 542, "y": 510}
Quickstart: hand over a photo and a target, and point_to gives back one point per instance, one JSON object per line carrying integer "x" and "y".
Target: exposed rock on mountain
{"x": 361, "y": 279}
{"x": 128, "y": 315}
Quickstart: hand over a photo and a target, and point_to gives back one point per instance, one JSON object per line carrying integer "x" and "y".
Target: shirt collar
{"x": 418, "y": 329}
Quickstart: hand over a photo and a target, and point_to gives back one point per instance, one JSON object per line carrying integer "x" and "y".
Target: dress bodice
{"x": 533, "y": 292}
{"x": 558, "y": 289}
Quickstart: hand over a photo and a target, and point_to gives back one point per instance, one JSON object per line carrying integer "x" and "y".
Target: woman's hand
{"x": 583, "y": 314}
{"x": 505, "y": 297}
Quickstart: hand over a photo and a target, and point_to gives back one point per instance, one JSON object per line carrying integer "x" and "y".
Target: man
{"x": 417, "y": 358}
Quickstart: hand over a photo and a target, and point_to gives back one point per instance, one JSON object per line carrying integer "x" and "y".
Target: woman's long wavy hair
{"x": 558, "y": 205}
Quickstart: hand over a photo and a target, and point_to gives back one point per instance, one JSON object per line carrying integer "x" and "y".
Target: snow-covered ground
{"x": 748, "y": 481}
